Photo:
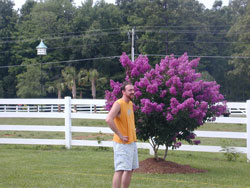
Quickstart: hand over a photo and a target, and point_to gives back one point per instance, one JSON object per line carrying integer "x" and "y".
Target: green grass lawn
{"x": 53, "y": 166}
{"x": 102, "y": 123}
{"x": 51, "y": 121}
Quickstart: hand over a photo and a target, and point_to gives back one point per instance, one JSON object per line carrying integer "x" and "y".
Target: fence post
{"x": 67, "y": 112}
{"x": 248, "y": 130}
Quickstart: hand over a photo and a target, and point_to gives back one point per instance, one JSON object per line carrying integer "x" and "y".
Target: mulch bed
{"x": 151, "y": 166}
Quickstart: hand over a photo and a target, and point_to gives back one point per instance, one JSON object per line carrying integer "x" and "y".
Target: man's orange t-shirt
{"x": 125, "y": 122}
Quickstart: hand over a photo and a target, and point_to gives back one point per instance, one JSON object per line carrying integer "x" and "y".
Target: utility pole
{"x": 133, "y": 45}
{"x": 166, "y": 22}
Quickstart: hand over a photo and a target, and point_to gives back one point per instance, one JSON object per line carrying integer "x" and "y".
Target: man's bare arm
{"x": 115, "y": 110}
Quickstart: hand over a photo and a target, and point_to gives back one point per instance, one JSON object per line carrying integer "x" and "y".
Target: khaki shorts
{"x": 125, "y": 156}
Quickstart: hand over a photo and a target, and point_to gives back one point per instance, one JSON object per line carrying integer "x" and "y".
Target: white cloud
{"x": 209, "y": 3}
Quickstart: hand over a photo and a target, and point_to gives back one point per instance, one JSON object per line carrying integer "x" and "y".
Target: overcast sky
{"x": 207, "y": 3}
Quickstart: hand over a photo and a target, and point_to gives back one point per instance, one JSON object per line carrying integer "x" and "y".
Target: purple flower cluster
{"x": 148, "y": 106}
{"x": 177, "y": 79}
{"x": 133, "y": 71}
{"x": 174, "y": 78}
{"x": 136, "y": 68}
{"x": 140, "y": 66}
{"x": 191, "y": 136}
{"x": 177, "y": 145}
{"x": 196, "y": 142}
{"x": 125, "y": 61}
{"x": 111, "y": 97}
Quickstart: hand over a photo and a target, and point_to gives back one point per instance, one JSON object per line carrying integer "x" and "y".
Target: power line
{"x": 113, "y": 57}
{"x": 66, "y": 33}
{"x": 189, "y": 41}
{"x": 196, "y": 56}
{"x": 95, "y": 30}
{"x": 65, "y": 37}
{"x": 139, "y": 41}
{"x": 187, "y": 32}
{"x": 110, "y": 33}
{"x": 163, "y": 26}
{"x": 59, "y": 62}
{"x": 194, "y": 26}
{"x": 73, "y": 46}
{"x": 91, "y": 44}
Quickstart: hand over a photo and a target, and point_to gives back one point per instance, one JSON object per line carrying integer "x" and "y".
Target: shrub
{"x": 170, "y": 101}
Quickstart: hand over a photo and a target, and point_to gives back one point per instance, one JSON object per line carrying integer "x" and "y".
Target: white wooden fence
{"x": 24, "y": 108}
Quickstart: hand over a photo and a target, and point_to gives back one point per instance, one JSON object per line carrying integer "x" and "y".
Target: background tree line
{"x": 85, "y": 42}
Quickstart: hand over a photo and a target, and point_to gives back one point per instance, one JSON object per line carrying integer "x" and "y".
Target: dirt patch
{"x": 92, "y": 137}
{"x": 8, "y": 135}
{"x": 84, "y": 137}
{"x": 151, "y": 166}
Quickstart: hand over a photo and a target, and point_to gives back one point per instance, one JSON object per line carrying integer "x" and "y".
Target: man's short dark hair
{"x": 124, "y": 84}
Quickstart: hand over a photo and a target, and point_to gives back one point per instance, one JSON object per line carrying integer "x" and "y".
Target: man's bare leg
{"x": 126, "y": 178}
{"x": 117, "y": 179}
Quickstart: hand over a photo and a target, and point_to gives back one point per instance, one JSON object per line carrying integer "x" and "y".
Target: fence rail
{"x": 96, "y": 110}
{"x": 82, "y": 105}
{"x": 52, "y": 105}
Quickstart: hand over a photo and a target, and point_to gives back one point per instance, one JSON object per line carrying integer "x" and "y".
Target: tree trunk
{"x": 81, "y": 95}
{"x": 59, "y": 94}
{"x": 93, "y": 88}
{"x": 156, "y": 153}
{"x": 166, "y": 153}
{"x": 155, "y": 148}
{"x": 74, "y": 94}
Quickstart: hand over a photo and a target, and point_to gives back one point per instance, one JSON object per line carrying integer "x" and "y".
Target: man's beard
{"x": 131, "y": 97}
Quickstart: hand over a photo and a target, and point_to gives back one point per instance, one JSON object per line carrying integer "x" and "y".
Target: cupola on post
{"x": 41, "y": 51}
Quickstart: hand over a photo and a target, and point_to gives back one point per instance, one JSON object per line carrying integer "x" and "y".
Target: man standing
{"x": 121, "y": 120}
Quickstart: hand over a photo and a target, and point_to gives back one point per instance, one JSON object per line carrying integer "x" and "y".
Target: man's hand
{"x": 124, "y": 138}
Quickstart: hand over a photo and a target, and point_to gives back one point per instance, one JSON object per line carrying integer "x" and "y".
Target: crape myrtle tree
{"x": 170, "y": 100}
